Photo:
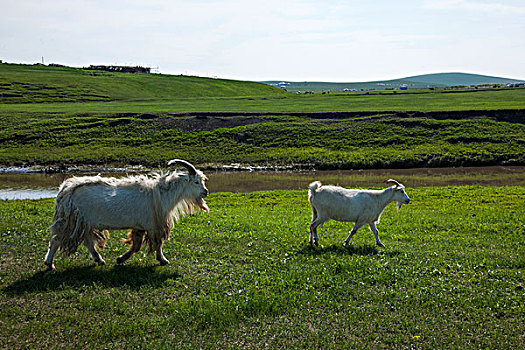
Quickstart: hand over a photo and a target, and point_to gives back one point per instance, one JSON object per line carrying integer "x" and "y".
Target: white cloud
{"x": 479, "y": 6}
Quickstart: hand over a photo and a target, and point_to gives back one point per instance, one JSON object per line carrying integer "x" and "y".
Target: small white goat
{"x": 349, "y": 205}
{"x": 86, "y": 207}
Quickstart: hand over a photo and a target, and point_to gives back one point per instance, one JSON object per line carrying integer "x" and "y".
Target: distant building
{"x": 120, "y": 69}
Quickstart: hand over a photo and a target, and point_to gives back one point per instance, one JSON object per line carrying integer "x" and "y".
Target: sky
{"x": 296, "y": 40}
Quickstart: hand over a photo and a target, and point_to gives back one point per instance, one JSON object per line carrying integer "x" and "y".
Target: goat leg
{"x": 352, "y": 232}
{"x": 316, "y": 222}
{"x": 53, "y": 247}
{"x": 136, "y": 238}
{"x": 160, "y": 256}
{"x": 90, "y": 245}
{"x": 373, "y": 228}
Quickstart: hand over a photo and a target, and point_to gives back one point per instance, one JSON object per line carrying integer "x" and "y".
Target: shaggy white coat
{"x": 88, "y": 206}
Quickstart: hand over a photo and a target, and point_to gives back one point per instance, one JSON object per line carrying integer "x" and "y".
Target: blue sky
{"x": 344, "y": 41}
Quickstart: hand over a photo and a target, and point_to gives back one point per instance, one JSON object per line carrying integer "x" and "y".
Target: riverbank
{"x": 320, "y": 141}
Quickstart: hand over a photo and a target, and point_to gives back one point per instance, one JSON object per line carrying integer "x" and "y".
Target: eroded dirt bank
{"x": 208, "y": 121}
{"x": 214, "y": 120}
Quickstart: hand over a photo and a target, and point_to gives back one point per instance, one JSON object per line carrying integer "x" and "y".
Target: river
{"x": 20, "y": 185}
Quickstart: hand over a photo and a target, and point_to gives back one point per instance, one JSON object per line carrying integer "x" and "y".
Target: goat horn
{"x": 190, "y": 167}
{"x": 394, "y": 182}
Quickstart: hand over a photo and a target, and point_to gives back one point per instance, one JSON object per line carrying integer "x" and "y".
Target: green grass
{"x": 108, "y": 139}
{"x": 426, "y": 101}
{"x": 40, "y": 89}
{"x": 38, "y": 84}
{"x": 244, "y": 276}
{"x": 54, "y": 115}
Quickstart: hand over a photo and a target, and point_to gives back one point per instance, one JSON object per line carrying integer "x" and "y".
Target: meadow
{"x": 382, "y": 141}
{"x": 373, "y": 101}
{"x": 63, "y": 116}
{"x": 244, "y": 276}
{"x": 36, "y": 84}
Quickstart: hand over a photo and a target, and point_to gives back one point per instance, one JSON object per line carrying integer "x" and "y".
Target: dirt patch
{"x": 213, "y": 120}
{"x": 209, "y": 123}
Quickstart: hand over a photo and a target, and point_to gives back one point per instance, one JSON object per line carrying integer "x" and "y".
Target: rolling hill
{"x": 458, "y": 79}
{"x": 35, "y": 83}
{"x": 415, "y": 82}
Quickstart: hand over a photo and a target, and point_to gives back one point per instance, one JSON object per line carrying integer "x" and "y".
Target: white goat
{"x": 86, "y": 207}
{"x": 359, "y": 206}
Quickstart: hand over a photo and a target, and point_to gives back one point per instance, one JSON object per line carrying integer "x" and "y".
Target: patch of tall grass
{"x": 393, "y": 142}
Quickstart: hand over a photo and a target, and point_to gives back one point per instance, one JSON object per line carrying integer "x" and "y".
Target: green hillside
{"x": 66, "y": 116}
{"x": 34, "y": 83}
{"x": 414, "y": 82}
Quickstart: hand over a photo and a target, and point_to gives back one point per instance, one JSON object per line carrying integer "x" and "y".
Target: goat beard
{"x": 398, "y": 205}
{"x": 202, "y": 204}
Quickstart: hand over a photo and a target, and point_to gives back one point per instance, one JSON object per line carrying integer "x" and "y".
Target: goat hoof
{"x": 120, "y": 260}
{"x": 381, "y": 245}
{"x": 100, "y": 262}
{"x": 164, "y": 262}
{"x": 50, "y": 267}
{"x": 314, "y": 242}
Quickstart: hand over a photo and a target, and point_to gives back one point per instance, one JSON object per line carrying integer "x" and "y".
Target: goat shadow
{"x": 133, "y": 277}
{"x": 340, "y": 249}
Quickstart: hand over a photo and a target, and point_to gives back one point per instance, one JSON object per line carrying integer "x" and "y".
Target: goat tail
{"x": 70, "y": 227}
{"x": 69, "y": 230}
{"x": 313, "y": 187}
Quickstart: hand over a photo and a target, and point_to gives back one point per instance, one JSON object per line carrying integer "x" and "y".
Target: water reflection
{"x": 34, "y": 186}
{"x": 27, "y": 193}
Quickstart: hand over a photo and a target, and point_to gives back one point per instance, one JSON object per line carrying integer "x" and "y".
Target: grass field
{"x": 387, "y": 142}
{"x": 244, "y": 276}
{"x": 40, "y": 89}
{"x": 387, "y": 101}
{"x": 40, "y": 84}
{"x": 66, "y": 116}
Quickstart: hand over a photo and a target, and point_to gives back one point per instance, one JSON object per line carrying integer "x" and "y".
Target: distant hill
{"x": 36, "y": 83}
{"x": 459, "y": 79}
{"x": 415, "y": 82}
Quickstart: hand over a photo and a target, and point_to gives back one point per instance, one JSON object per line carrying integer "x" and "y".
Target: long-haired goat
{"x": 359, "y": 206}
{"x": 86, "y": 207}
